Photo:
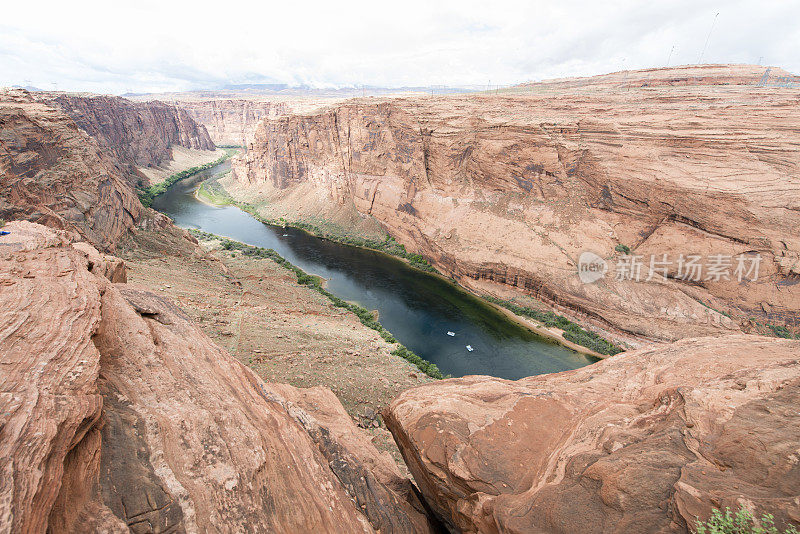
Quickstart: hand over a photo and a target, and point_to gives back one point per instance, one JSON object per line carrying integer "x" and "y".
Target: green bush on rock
{"x": 741, "y": 522}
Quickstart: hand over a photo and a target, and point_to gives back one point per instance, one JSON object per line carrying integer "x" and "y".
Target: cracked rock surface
{"x": 645, "y": 441}
{"x": 119, "y": 414}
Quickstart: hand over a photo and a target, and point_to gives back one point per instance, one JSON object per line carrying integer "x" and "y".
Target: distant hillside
{"x": 686, "y": 75}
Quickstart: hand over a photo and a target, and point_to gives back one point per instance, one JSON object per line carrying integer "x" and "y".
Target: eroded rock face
{"x": 646, "y": 441}
{"x": 504, "y": 192}
{"x": 54, "y": 173}
{"x": 137, "y": 133}
{"x": 232, "y": 122}
{"x": 119, "y": 414}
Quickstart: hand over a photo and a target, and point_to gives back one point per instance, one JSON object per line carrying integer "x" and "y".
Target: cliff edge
{"x": 646, "y": 441}
{"x": 119, "y": 413}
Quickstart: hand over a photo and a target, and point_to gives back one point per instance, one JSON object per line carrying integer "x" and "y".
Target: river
{"x": 418, "y": 308}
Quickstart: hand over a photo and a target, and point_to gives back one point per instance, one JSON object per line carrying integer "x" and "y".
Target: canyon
{"x": 503, "y": 192}
{"x": 154, "y": 382}
{"x": 82, "y": 365}
{"x": 231, "y": 119}
{"x": 119, "y": 413}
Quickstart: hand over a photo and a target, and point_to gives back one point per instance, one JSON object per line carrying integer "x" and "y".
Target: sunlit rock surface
{"x": 646, "y": 441}
{"x": 505, "y": 191}
{"x": 119, "y": 413}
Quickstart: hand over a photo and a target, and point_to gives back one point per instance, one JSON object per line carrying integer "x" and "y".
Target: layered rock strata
{"x": 119, "y": 414}
{"x": 139, "y": 134}
{"x": 229, "y": 121}
{"x": 54, "y": 173}
{"x": 504, "y": 192}
{"x": 646, "y": 441}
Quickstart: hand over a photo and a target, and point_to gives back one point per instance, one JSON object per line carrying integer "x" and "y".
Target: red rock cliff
{"x": 118, "y": 414}
{"x": 54, "y": 173}
{"x": 508, "y": 191}
{"x": 137, "y": 133}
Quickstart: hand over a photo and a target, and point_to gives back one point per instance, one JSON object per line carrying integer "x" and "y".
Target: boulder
{"x": 645, "y": 441}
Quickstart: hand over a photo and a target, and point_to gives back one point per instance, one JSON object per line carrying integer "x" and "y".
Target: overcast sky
{"x": 118, "y": 46}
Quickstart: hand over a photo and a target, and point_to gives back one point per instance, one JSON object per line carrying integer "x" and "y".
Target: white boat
{"x": 451, "y": 334}
{"x": 469, "y": 348}
{"x": 285, "y": 235}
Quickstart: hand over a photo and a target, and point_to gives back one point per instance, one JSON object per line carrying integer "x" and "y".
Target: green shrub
{"x": 625, "y": 249}
{"x": 778, "y": 330}
{"x": 741, "y": 522}
{"x": 572, "y": 331}
{"x": 425, "y": 366}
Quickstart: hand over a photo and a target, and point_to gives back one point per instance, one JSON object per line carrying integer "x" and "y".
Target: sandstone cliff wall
{"x": 53, "y": 172}
{"x": 137, "y": 133}
{"x": 506, "y": 191}
{"x": 120, "y": 415}
{"x": 231, "y": 122}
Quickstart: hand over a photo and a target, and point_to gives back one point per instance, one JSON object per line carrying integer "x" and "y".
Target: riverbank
{"x": 147, "y": 194}
{"x": 368, "y": 318}
{"x": 555, "y": 334}
{"x": 546, "y": 324}
{"x": 284, "y": 331}
{"x": 217, "y": 196}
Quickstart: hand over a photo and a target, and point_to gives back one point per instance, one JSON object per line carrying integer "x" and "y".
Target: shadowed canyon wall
{"x": 70, "y": 161}
{"x": 56, "y": 174}
{"x": 505, "y": 191}
{"x": 137, "y": 133}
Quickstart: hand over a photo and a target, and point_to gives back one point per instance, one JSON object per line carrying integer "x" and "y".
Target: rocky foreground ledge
{"x": 120, "y": 415}
{"x": 646, "y": 441}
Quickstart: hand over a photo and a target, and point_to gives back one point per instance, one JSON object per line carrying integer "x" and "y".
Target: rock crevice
{"x": 121, "y": 415}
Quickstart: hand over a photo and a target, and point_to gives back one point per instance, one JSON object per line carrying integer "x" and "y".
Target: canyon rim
{"x": 568, "y": 302}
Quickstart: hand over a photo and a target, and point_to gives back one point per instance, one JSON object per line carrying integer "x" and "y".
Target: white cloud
{"x": 151, "y": 46}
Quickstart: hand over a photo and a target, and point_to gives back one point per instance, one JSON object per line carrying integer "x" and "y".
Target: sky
{"x": 116, "y": 46}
